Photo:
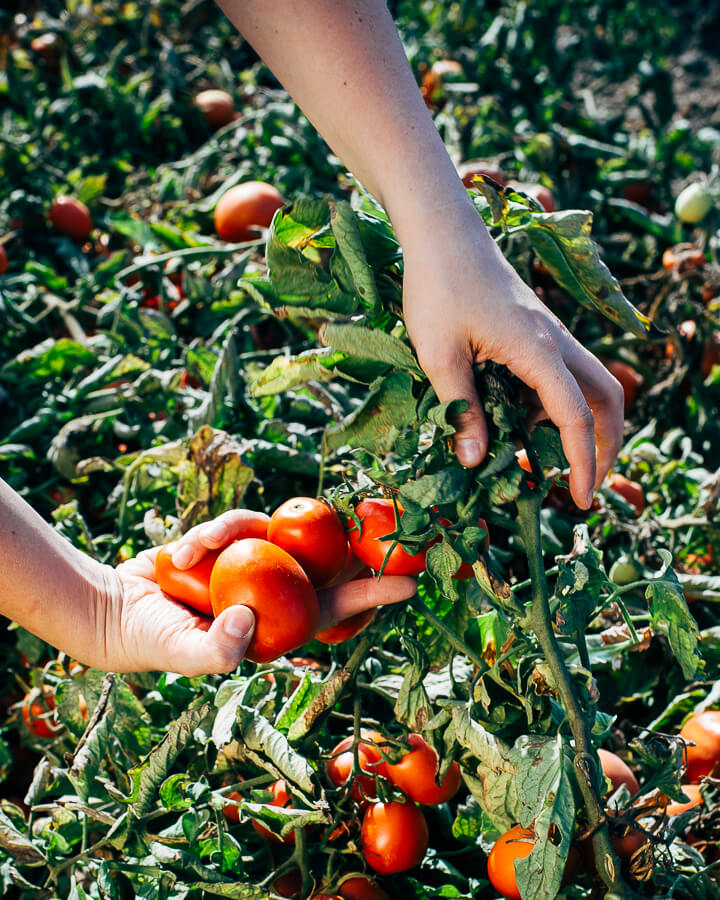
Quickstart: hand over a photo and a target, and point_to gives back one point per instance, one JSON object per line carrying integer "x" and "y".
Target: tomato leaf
{"x": 286, "y": 372}
{"x": 370, "y": 343}
{"x": 670, "y": 615}
{"x": 349, "y": 241}
{"x": 580, "y": 583}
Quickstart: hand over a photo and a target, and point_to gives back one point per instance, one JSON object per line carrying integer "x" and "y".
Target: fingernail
{"x": 239, "y": 622}
{"x": 183, "y": 556}
{"x": 217, "y": 531}
{"x": 468, "y": 451}
{"x": 589, "y": 499}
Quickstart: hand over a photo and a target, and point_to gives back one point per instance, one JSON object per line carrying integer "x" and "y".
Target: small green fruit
{"x": 693, "y": 203}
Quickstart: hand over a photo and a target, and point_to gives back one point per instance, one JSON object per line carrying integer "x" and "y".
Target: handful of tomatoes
{"x": 277, "y": 567}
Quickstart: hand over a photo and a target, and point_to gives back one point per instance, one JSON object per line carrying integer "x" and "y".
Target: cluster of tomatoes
{"x": 393, "y": 834}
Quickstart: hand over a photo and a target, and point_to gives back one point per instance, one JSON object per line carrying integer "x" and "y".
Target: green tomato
{"x": 693, "y": 203}
{"x": 624, "y": 570}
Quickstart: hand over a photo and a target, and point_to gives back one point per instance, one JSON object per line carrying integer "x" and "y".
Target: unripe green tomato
{"x": 624, "y": 571}
{"x": 693, "y": 203}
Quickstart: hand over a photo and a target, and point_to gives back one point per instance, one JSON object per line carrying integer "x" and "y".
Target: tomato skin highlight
{"x": 377, "y": 516}
{"x": 618, "y": 771}
{"x": 347, "y": 628}
{"x": 191, "y": 586}
{"x": 704, "y": 730}
{"x": 312, "y": 533}
{"x": 281, "y": 797}
{"x": 394, "y": 837}
{"x": 517, "y": 843}
{"x": 362, "y": 888}
{"x": 414, "y": 774}
{"x": 255, "y": 573}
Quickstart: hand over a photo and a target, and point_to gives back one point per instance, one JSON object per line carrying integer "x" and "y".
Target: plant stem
{"x": 457, "y": 642}
{"x": 586, "y": 765}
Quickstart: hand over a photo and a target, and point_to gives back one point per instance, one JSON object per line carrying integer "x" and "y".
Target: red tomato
{"x": 347, "y": 628}
{"x": 262, "y": 576}
{"x": 339, "y": 767}
{"x": 394, "y": 837}
{"x": 3, "y": 260}
{"x": 71, "y": 217}
{"x": 675, "y": 807}
{"x": 217, "y": 107}
{"x": 289, "y": 884}
{"x": 230, "y": 811}
{"x": 618, "y": 771}
{"x": 629, "y": 490}
{"x": 703, "y": 730}
{"x": 37, "y": 715}
{"x": 191, "y": 586}
{"x": 281, "y": 797}
{"x": 377, "y": 516}
{"x": 244, "y": 208}
{"x": 628, "y": 378}
{"x": 414, "y": 774}
{"x": 517, "y": 843}
{"x": 360, "y": 887}
{"x": 312, "y": 533}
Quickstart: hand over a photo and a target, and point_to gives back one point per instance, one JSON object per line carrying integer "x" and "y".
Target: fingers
{"x": 212, "y": 650}
{"x": 452, "y": 377}
{"x": 345, "y": 600}
{"x": 606, "y": 399}
{"x": 230, "y": 526}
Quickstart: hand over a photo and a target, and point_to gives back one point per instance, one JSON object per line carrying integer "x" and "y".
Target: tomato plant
{"x": 282, "y": 797}
{"x": 311, "y": 532}
{"x": 255, "y": 573}
{"x": 394, "y": 837}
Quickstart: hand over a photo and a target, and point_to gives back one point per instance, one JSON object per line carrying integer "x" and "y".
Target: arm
{"x": 343, "y": 62}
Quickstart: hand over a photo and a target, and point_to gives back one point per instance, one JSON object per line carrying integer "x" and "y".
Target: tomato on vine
{"x": 377, "y": 518}
{"x": 414, "y": 774}
{"x": 312, "y": 533}
{"x": 37, "y": 713}
{"x": 258, "y": 574}
{"x": 281, "y": 796}
{"x": 361, "y": 887}
{"x": 394, "y": 837}
{"x": 340, "y": 765}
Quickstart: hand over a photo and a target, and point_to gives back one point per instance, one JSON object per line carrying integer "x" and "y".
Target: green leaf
{"x": 286, "y": 372}
{"x": 442, "y": 563}
{"x": 378, "y": 422}
{"x": 298, "y": 702}
{"x": 562, "y": 241}
{"x": 446, "y": 486}
{"x": 51, "y": 358}
{"x": 370, "y": 344}
{"x": 669, "y": 614}
{"x": 271, "y": 750}
{"x": 580, "y": 583}
{"x": 92, "y": 750}
{"x": 349, "y": 241}
{"x": 19, "y": 847}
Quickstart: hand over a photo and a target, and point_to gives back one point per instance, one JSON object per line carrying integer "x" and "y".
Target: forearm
{"x": 344, "y": 65}
{"x": 47, "y": 585}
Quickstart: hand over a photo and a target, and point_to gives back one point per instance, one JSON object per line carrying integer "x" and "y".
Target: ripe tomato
{"x": 628, "y": 378}
{"x": 262, "y": 576}
{"x": 191, "y": 586}
{"x": 675, "y": 807}
{"x": 244, "y": 208}
{"x": 347, "y": 628}
{"x": 683, "y": 257}
{"x": 394, "y": 837}
{"x": 38, "y": 716}
{"x": 517, "y": 843}
{"x": 71, "y": 217}
{"x": 339, "y": 767}
{"x": 414, "y": 774}
{"x": 281, "y": 797}
{"x": 704, "y": 730}
{"x": 217, "y": 107}
{"x": 3, "y": 260}
{"x": 377, "y": 516}
{"x": 629, "y": 490}
{"x": 360, "y": 887}
{"x": 230, "y": 811}
{"x": 618, "y": 771}
{"x": 289, "y": 884}
{"x": 312, "y": 533}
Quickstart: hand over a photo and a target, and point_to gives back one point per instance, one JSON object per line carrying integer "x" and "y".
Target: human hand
{"x": 464, "y": 303}
{"x": 147, "y": 629}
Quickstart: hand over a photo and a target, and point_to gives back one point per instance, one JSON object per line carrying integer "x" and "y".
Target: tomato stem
{"x": 457, "y": 642}
{"x": 586, "y": 766}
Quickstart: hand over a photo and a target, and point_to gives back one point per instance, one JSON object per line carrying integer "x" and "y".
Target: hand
{"x": 147, "y": 629}
{"x": 464, "y": 304}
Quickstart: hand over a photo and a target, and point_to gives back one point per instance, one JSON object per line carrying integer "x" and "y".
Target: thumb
{"x": 455, "y": 381}
{"x": 218, "y": 649}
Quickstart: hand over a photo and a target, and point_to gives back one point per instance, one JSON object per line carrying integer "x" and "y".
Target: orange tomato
{"x": 71, "y": 217}
{"x": 703, "y": 730}
{"x": 517, "y": 843}
{"x": 312, "y": 533}
{"x": 230, "y": 811}
{"x": 217, "y": 107}
{"x": 38, "y": 716}
{"x": 414, "y": 774}
{"x": 676, "y": 807}
{"x": 629, "y": 490}
{"x": 191, "y": 586}
{"x": 245, "y": 208}
{"x": 255, "y": 573}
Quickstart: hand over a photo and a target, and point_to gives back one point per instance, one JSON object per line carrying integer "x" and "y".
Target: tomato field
{"x": 202, "y": 311}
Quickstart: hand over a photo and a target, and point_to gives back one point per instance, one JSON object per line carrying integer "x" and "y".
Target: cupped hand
{"x": 146, "y": 629}
{"x": 464, "y": 303}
